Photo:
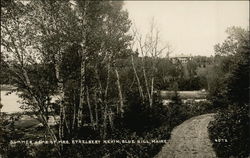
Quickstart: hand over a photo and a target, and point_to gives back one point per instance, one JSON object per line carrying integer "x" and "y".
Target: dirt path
{"x": 190, "y": 140}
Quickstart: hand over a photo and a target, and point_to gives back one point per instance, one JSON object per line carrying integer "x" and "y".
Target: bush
{"x": 232, "y": 127}
{"x": 140, "y": 118}
{"x": 140, "y": 122}
{"x": 199, "y": 108}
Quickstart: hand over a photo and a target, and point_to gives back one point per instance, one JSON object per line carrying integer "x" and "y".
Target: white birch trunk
{"x": 120, "y": 109}
{"x": 89, "y": 106}
{"x": 137, "y": 79}
{"x": 61, "y": 93}
{"x": 83, "y": 65}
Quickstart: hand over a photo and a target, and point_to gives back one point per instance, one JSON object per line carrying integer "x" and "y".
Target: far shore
{"x": 11, "y": 102}
{"x": 7, "y": 87}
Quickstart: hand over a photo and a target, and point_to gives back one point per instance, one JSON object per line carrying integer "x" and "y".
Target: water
{"x": 11, "y": 102}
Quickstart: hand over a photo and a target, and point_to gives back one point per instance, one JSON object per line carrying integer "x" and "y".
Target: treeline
{"x": 192, "y": 75}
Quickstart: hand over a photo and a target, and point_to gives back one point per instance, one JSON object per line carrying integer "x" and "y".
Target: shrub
{"x": 139, "y": 117}
{"x": 232, "y": 127}
{"x": 198, "y": 108}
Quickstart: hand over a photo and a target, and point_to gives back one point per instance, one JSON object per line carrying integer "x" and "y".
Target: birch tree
{"x": 151, "y": 46}
{"x": 19, "y": 46}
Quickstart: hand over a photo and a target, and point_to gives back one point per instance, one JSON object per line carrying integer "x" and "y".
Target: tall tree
{"x": 150, "y": 46}
{"x": 19, "y": 41}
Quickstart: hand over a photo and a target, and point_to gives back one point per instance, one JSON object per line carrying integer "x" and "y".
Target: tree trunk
{"x": 105, "y": 112}
{"x": 98, "y": 97}
{"x": 61, "y": 93}
{"x": 37, "y": 104}
{"x": 96, "y": 108}
{"x": 120, "y": 109}
{"x": 26, "y": 81}
{"x": 111, "y": 118}
{"x": 146, "y": 81}
{"x": 152, "y": 92}
{"x": 137, "y": 79}
{"x": 65, "y": 121}
{"x": 83, "y": 65}
{"x": 1, "y": 105}
{"x": 82, "y": 89}
{"x": 40, "y": 109}
{"x": 74, "y": 114}
{"x": 152, "y": 80}
{"x": 89, "y": 106}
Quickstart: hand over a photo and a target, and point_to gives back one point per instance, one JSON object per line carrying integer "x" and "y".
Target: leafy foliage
{"x": 232, "y": 122}
{"x": 232, "y": 127}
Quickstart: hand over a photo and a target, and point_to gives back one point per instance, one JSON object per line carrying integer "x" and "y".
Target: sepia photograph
{"x": 124, "y": 79}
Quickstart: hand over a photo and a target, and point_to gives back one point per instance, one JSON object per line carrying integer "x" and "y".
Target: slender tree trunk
{"x": 120, "y": 109}
{"x": 98, "y": 97}
{"x": 107, "y": 82}
{"x": 152, "y": 92}
{"x": 61, "y": 93}
{"x": 1, "y": 105}
{"x": 89, "y": 106}
{"x": 37, "y": 104}
{"x": 36, "y": 101}
{"x": 152, "y": 81}
{"x": 111, "y": 118}
{"x": 83, "y": 64}
{"x": 61, "y": 132}
{"x": 96, "y": 108}
{"x": 146, "y": 81}
{"x": 74, "y": 114}
{"x": 82, "y": 89}
{"x": 65, "y": 121}
{"x": 40, "y": 109}
{"x": 105, "y": 112}
{"x": 0, "y": 82}
{"x": 137, "y": 78}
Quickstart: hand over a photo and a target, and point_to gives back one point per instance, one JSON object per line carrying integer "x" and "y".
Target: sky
{"x": 190, "y": 27}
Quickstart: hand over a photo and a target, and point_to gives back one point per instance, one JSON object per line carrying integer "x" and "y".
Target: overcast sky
{"x": 191, "y": 27}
